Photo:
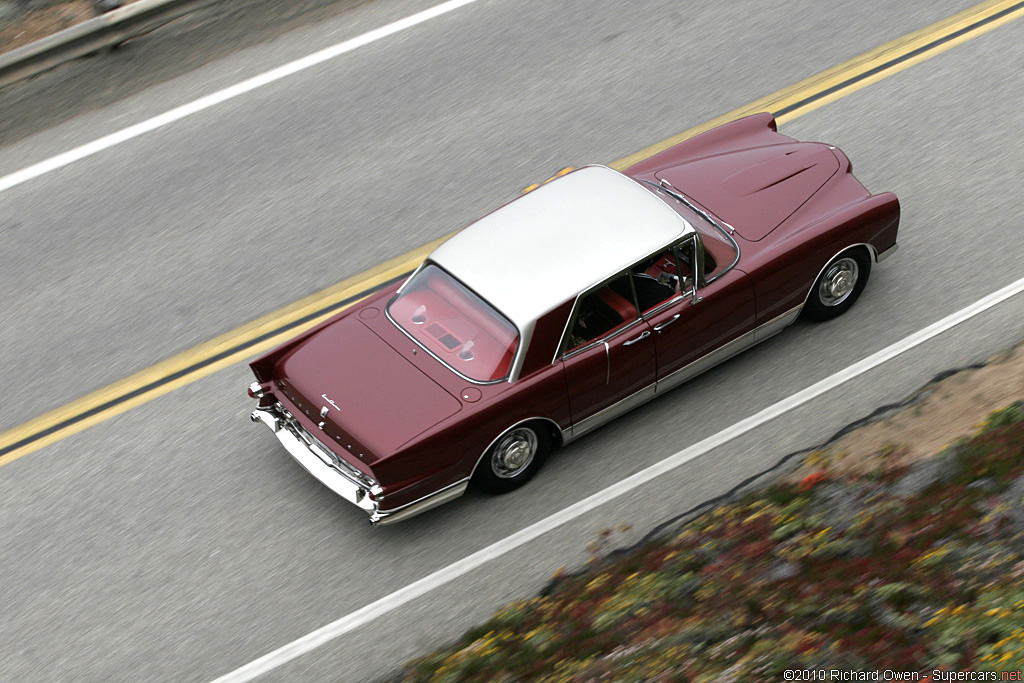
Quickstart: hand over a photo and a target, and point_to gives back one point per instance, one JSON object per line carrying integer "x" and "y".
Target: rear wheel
{"x": 513, "y": 459}
{"x": 839, "y": 285}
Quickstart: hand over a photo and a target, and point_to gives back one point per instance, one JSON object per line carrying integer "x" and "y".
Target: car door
{"x": 702, "y": 319}
{"x": 609, "y": 355}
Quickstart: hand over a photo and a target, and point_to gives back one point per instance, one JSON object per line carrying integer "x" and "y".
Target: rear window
{"x": 465, "y": 332}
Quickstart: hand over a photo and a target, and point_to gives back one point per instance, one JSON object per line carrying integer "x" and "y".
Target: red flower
{"x": 812, "y": 480}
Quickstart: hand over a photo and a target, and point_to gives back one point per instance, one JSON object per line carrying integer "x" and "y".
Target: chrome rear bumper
{"x": 317, "y": 459}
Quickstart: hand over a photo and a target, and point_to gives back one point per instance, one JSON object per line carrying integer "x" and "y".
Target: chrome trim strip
{"x": 636, "y": 399}
{"x": 411, "y": 276}
{"x": 617, "y": 409}
{"x": 777, "y": 324}
{"x": 727, "y": 351}
{"x": 603, "y": 340}
{"x": 663, "y": 305}
{"x": 881, "y": 256}
{"x": 607, "y": 364}
{"x": 427, "y": 502}
{"x": 871, "y": 252}
{"x": 676, "y": 193}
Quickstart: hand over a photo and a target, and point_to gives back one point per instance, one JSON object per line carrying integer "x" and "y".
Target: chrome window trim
{"x": 603, "y": 340}
{"x": 668, "y": 303}
{"x": 698, "y": 252}
{"x": 413, "y": 274}
{"x": 677, "y": 194}
{"x": 438, "y": 358}
{"x": 682, "y": 295}
{"x": 871, "y": 253}
{"x": 514, "y": 366}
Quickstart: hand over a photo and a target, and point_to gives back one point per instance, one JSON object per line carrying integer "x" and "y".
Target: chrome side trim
{"x": 724, "y": 353}
{"x": 613, "y": 411}
{"x": 563, "y": 434}
{"x": 706, "y": 362}
{"x": 703, "y": 364}
{"x": 776, "y": 324}
{"x": 427, "y": 502}
{"x": 871, "y": 252}
{"x": 881, "y": 256}
{"x": 607, "y": 364}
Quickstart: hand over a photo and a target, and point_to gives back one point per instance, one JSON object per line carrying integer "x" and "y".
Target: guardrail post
{"x": 103, "y": 6}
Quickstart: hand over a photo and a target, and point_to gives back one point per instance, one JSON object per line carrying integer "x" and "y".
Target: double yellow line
{"x": 266, "y": 332}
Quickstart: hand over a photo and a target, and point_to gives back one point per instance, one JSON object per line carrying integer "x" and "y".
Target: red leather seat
{"x": 618, "y": 303}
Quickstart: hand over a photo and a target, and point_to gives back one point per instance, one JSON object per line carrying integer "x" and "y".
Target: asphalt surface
{"x": 178, "y": 542}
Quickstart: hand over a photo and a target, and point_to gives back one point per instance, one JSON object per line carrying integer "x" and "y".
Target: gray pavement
{"x": 171, "y": 51}
{"x": 178, "y": 542}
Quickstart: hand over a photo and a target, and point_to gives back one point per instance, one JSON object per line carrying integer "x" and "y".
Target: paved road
{"x": 177, "y": 542}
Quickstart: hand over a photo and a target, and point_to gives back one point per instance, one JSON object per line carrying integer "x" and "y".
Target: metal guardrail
{"x": 107, "y": 30}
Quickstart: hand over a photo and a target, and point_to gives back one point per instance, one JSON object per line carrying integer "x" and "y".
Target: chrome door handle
{"x": 645, "y": 335}
{"x": 660, "y": 326}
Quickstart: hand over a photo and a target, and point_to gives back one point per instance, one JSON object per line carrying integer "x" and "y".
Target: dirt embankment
{"x": 895, "y": 552}
{"x": 22, "y": 23}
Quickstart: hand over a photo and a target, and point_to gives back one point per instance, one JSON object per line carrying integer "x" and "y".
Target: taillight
{"x": 256, "y": 390}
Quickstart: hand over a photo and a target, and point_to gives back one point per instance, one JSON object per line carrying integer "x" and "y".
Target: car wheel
{"x": 513, "y": 459}
{"x": 839, "y": 285}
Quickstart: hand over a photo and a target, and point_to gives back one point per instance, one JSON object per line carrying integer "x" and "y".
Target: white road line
{"x": 185, "y": 110}
{"x": 448, "y": 574}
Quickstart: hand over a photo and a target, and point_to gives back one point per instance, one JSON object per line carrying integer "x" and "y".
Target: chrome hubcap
{"x": 514, "y": 452}
{"x": 838, "y": 281}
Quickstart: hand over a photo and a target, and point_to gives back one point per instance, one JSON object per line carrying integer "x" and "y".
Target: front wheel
{"x": 839, "y": 285}
{"x": 513, "y": 459}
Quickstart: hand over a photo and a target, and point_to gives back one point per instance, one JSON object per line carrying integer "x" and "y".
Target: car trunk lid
{"x": 375, "y": 399}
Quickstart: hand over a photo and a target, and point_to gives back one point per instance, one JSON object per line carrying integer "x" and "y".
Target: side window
{"x": 664, "y": 276}
{"x": 602, "y": 311}
{"x": 655, "y": 279}
{"x": 687, "y": 265}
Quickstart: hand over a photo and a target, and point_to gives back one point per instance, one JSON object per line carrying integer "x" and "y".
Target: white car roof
{"x": 545, "y": 247}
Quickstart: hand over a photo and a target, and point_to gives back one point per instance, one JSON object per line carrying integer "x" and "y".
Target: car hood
{"x": 755, "y": 190}
{"x": 376, "y": 400}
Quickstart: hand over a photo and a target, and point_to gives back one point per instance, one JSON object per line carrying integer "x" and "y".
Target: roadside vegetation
{"x": 908, "y": 568}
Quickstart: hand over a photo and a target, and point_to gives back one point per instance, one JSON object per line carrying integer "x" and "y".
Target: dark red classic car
{"x": 566, "y": 308}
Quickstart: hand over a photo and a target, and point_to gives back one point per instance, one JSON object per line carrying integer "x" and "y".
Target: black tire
{"x": 513, "y": 459}
{"x": 839, "y": 285}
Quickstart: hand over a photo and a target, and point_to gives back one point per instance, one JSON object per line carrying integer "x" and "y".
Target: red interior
{"x": 451, "y": 317}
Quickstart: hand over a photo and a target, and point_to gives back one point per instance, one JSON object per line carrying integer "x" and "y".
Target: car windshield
{"x": 455, "y": 325}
